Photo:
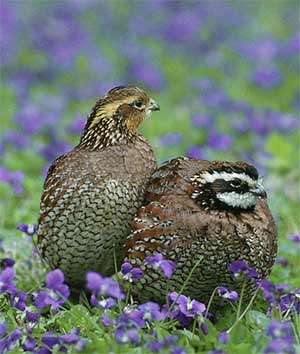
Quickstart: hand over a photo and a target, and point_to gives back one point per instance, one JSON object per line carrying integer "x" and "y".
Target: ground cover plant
{"x": 226, "y": 75}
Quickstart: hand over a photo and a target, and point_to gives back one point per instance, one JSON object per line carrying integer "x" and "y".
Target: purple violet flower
{"x": 204, "y": 328}
{"x": 185, "y": 309}
{"x": 227, "y": 294}
{"x": 169, "y": 340}
{"x": 124, "y": 335}
{"x": 9, "y": 341}
{"x": 290, "y": 301}
{"x": 279, "y": 346}
{"x": 32, "y": 316}
{"x": 223, "y": 337}
{"x": 55, "y": 282}
{"x": 106, "y": 321}
{"x": 7, "y": 280}
{"x": 131, "y": 317}
{"x": 131, "y": 273}
{"x": 72, "y": 337}
{"x": 240, "y": 125}
{"x": 77, "y": 125}
{"x": 294, "y": 238}
{"x": 195, "y": 152}
{"x": 157, "y": 261}
{"x": 16, "y": 139}
{"x": 189, "y": 307}
{"x": 155, "y": 346}
{"x": 216, "y": 98}
{"x": 267, "y": 77}
{"x": 151, "y": 311}
{"x": 55, "y": 148}
{"x": 183, "y": 26}
{"x": 14, "y": 178}
{"x": 275, "y": 296}
{"x": 269, "y": 292}
{"x": 49, "y": 340}
{"x": 29, "y": 345}
{"x": 178, "y": 350}
{"x": 80, "y": 345}
{"x": 278, "y": 329}
{"x": 141, "y": 69}
{"x": 282, "y": 338}
{"x": 204, "y": 121}
{"x": 241, "y": 267}
{"x": 103, "y": 286}
{"x": 104, "y": 303}
{"x": 282, "y": 261}
{"x": 7, "y": 262}
{"x": 29, "y": 229}
{"x": 219, "y": 141}
{"x": 17, "y": 300}
{"x": 263, "y": 50}
{"x": 56, "y": 291}
{"x": 3, "y": 328}
{"x": 169, "y": 139}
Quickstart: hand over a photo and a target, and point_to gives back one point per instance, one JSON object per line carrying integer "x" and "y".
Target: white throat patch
{"x": 236, "y": 200}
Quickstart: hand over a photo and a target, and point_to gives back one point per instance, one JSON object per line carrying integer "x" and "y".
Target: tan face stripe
{"x": 109, "y": 109}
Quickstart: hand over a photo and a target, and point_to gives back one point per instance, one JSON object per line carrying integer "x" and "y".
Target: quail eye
{"x": 138, "y": 104}
{"x": 235, "y": 183}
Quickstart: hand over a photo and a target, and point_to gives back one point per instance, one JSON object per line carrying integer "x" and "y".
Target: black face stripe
{"x": 222, "y": 186}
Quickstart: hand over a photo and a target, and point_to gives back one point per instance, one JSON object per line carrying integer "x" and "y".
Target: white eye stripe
{"x": 226, "y": 176}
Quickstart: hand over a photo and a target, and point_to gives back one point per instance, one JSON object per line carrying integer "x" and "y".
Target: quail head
{"x": 203, "y": 214}
{"x": 92, "y": 192}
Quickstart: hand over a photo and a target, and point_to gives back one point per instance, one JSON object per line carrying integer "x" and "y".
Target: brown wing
{"x": 165, "y": 223}
{"x": 173, "y": 178}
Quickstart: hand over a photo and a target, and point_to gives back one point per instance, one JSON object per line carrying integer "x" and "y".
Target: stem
{"x": 167, "y": 290}
{"x": 116, "y": 271}
{"x": 128, "y": 294}
{"x": 194, "y": 325}
{"x": 185, "y": 282}
{"x": 115, "y": 261}
{"x": 296, "y": 327}
{"x": 240, "y": 301}
{"x": 288, "y": 311}
{"x": 210, "y": 301}
{"x": 245, "y": 311}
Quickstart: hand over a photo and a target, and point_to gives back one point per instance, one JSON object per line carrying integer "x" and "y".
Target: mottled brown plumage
{"x": 214, "y": 211}
{"x": 91, "y": 193}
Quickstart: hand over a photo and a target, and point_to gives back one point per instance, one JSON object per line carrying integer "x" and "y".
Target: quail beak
{"x": 153, "y": 106}
{"x": 259, "y": 191}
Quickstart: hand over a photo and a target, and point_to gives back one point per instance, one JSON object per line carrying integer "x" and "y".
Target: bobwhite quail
{"x": 215, "y": 212}
{"x": 92, "y": 192}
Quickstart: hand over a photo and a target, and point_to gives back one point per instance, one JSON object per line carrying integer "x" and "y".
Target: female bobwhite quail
{"x": 92, "y": 192}
{"x": 215, "y": 212}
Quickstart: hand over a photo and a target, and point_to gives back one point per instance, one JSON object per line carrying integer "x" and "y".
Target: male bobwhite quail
{"x": 214, "y": 211}
{"x": 92, "y": 192}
